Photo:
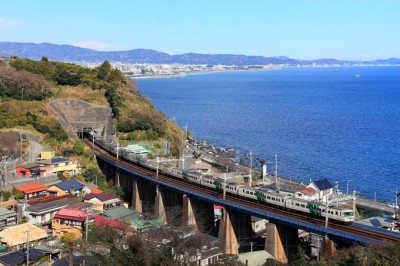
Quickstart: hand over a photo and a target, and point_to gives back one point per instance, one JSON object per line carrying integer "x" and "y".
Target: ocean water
{"x": 337, "y": 123}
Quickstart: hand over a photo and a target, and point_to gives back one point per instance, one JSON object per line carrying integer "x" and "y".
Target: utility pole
{"x": 87, "y": 222}
{"x": 157, "y": 167}
{"x": 20, "y": 143}
{"x": 354, "y": 203}
{"x": 117, "y": 150}
{"x": 251, "y": 168}
{"x": 27, "y": 246}
{"x": 276, "y": 168}
{"x": 224, "y": 188}
{"x": 326, "y": 214}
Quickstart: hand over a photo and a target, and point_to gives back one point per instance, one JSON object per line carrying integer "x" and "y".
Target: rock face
{"x": 76, "y": 114}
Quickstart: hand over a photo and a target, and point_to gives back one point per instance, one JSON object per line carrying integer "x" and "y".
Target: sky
{"x": 306, "y": 29}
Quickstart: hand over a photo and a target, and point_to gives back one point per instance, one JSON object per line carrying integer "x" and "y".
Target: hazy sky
{"x": 342, "y": 29}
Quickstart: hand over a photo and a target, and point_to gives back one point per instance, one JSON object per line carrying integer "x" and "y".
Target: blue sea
{"x": 337, "y": 123}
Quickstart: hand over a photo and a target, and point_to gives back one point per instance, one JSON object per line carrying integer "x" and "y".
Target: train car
{"x": 339, "y": 214}
{"x": 262, "y": 195}
{"x": 233, "y": 188}
{"x": 173, "y": 171}
{"x": 192, "y": 177}
{"x": 212, "y": 182}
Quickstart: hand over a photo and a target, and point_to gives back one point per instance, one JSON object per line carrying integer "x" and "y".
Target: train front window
{"x": 349, "y": 214}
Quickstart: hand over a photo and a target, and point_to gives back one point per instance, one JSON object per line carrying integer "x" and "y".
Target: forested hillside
{"x": 26, "y": 87}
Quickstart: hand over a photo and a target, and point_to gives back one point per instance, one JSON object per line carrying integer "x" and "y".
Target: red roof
{"x": 32, "y": 188}
{"x": 103, "y": 221}
{"x": 96, "y": 191}
{"x": 49, "y": 199}
{"x": 308, "y": 191}
{"x": 73, "y": 214}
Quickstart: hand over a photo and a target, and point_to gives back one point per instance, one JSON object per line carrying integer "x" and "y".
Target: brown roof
{"x": 101, "y": 197}
{"x": 49, "y": 199}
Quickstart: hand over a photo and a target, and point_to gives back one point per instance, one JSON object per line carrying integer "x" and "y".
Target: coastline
{"x": 252, "y": 70}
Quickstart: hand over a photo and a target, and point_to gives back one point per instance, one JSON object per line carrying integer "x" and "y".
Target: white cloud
{"x": 9, "y": 23}
{"x": 102, "y": 46}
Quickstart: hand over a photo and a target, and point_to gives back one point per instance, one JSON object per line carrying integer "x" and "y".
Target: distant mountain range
{"x": 69, "y": 53}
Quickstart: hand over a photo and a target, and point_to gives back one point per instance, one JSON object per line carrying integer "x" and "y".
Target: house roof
{"x": 18, "y": 257}
{"x": 97, "y": 191}
{"x": 48, "y": 199}
{"x": 30, "y": 165}
{"x": 202, "y": 166}
{"x": 31, "y": 188}
{"x": 59, "y": 160}
{"x": 52, "y": 205}
{"x": 101, "y": 197}
{"x": 16, "y": 235}
{"x": 4, "y": 213}
{"x": 308, "y": 191}
{"x": 81, "y": 205}
{"x": 104, "y": 221}
{"x": 323, "y": 184}
{"x": 66, "y": 185}
{"x": 119, "y": 212}
{"x": 73, "y": 214}
{"x": 48, "y": 149}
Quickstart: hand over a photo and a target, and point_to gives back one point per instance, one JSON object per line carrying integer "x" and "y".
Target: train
{"x": 262, "y": 194}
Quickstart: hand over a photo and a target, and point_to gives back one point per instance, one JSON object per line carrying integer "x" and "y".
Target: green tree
{"x": 6, "y": 195}
{"x": 18, "y": 194}
{"x": 103, "y": 71}
{"x": 78, "y": 147}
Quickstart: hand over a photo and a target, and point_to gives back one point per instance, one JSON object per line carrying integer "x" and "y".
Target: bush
{"x": 18, "y": 194}
{"x": 78, "y": 148}
{"x": 6, "y": 195}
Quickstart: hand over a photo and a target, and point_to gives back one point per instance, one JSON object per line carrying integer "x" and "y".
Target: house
{"x": 201, "y": 167}
{"x": 28, "y": 170}
{"x": 64, "y": 165}
{"x": 35, "y": 170}
{"x": 47, "y": 153}
{"x": 66, "y": 187}
{"x": 323, "y": 188}
{"x": 7, "y": 217}
{"x": 103, "y": 201}
{"x": 90, "y": 187}
{"x": 307, "y": 193}
{"x": 68, "y": 220}
{"x": 120, "y": 213}
{"x": 17, "y": 235}
{"x": 34, "y": 190}
{"x": 43, "y": 212}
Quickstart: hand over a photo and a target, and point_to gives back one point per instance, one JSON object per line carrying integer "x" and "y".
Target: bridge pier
{"x": 188, "y": 216}
{"x": 328, "y": 247}
{"x": 159, "y": 208}
{"x": 234, "y": 228}
{"x": 281, "y": 241}
{"x": 116, "y": 178}
{"x": 198, "y": 215}
{"x": 136, "y": 200}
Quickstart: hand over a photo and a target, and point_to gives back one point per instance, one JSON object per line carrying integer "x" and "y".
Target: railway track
{"x": 351, "y": 229}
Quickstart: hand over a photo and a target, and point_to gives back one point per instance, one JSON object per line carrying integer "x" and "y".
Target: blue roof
{"x": 66, "y": 185}
{"x": 59, "y": 160}
{"x": 323, "y": 184}
{"x": 18, "y": 257}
